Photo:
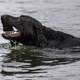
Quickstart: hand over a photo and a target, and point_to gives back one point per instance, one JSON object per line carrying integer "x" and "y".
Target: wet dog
{"x": 31, "y": 32}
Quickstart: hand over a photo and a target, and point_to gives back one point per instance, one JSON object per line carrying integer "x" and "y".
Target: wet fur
{"x": 34, "y": 33}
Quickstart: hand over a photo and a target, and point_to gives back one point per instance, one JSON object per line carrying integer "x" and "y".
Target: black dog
{"x": 34, "y": 33}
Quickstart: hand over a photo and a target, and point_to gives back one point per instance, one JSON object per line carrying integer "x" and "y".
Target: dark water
{"x": 30, "y": 63}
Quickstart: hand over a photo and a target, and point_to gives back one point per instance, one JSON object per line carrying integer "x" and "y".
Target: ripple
{"x": 21, "y": 63}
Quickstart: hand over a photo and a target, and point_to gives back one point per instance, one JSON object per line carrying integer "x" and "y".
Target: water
{"x": 29, "y": 63}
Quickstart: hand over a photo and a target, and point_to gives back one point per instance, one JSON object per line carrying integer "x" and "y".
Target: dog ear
{"x": 39, "y": 37}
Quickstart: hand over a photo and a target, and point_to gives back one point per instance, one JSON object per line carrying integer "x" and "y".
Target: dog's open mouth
{"x": 12, "y": 34}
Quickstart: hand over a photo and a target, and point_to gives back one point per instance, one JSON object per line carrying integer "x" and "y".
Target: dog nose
{"x": 3, "y": 17}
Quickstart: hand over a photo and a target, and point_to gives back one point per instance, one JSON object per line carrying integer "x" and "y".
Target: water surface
{"x": 30, "y": 63}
